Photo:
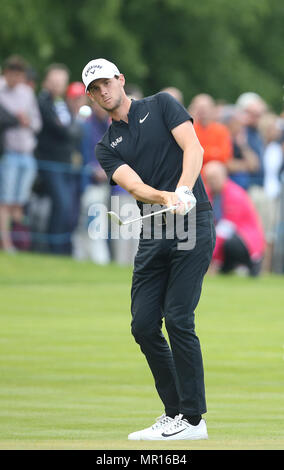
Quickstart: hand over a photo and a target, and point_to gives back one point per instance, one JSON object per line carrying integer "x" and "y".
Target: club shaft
{"x": 162, "y": 211}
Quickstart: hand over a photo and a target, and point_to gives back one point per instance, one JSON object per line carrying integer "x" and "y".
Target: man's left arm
{"x": 184, "y": 135}
{"x": 186, "y": 138}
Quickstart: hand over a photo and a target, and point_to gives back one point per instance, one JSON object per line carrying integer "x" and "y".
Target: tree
{"x": 216, "y": 46}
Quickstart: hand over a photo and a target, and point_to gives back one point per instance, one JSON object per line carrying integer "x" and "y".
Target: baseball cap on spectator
{"x": 98, "y": 68}
{"x": 75, "y": 89}
{"x": 16, "y": 63}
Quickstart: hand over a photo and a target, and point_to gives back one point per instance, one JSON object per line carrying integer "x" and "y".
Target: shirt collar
{"x": 131, "y": 112}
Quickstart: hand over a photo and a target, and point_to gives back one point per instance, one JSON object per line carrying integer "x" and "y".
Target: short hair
{"x": 16, "y": 63}
{"x": 56, "y": 66}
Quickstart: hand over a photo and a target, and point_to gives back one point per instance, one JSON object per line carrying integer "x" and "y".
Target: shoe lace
{"x": 175, "y": 424}
{"x": 162, "y": 421}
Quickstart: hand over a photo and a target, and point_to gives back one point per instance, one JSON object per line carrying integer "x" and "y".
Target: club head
{"x": 115, "y": 218}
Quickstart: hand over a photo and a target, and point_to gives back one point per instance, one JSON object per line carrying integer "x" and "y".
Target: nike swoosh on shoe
{"x": 173, "y": 434}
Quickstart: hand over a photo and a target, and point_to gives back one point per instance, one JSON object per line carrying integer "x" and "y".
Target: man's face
{"x": 215, "y": 176}
{"x": 253, "y": 113}
{"x": 107, "y": 92}
{"x": 14, "y": 77}
{"x": 57, "y": 81}
{"x": 203, "y": 109}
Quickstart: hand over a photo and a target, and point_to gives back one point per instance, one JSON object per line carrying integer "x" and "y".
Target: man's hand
{"x": 187, "y": 198}
{"x": 171, "y": 199}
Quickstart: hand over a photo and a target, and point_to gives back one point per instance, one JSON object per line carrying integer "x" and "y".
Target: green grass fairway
{"x": 72, "y": 376}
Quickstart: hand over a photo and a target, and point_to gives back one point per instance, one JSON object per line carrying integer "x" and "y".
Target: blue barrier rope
{"x": 48, "y": 165}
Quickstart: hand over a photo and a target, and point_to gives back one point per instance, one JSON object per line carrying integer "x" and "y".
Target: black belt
{"x": 200, "y": 206}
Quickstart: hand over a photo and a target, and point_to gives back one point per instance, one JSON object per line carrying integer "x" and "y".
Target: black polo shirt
{"x": 147, "y": 145}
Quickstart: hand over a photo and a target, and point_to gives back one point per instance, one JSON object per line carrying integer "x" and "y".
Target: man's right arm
{"x": 119, "y": 172}
{"x": 129, "y": 180}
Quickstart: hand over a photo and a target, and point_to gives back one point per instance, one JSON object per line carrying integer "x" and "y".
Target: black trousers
{"x": 167, "y": 284}
{"x": 235, "y": 253}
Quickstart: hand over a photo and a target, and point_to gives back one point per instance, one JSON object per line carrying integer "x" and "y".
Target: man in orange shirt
{"x": 213, "y": 136}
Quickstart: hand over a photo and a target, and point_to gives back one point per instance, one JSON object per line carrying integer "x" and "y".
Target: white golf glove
{"x": 186, "y": 196}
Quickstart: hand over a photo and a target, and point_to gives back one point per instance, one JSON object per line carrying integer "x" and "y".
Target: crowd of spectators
{"x": 50, "y": 177}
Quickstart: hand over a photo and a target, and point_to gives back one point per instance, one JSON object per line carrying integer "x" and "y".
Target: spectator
{"x": 76, "y": 97}
{"x": 270, "y": 130}
{"x": 245, "y": 160}
{"x": 240, "y": 239}
{"x": 95, "y": 191}
{"x": 278, "y": 250}
{"x": 220, "y": 107}
{"x": 18, "y": 165}
{"x": 56, "y": 143}
{"x": 175, "y": 92}
{"x": 272, "y": 166}
{"x": 93, "y": 130}
{"x": 7, "y": 120}
{"x": 213, "y": 136}
{"x": 253, "y": 108}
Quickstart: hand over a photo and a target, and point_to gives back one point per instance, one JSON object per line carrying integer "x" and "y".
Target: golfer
{"x": 152, "y": 151}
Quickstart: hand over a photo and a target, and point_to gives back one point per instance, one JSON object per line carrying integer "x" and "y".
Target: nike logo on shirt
{"x": 143, "y": 119}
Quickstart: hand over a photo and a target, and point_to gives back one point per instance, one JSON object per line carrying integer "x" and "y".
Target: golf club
{"x": 119, "y": 221}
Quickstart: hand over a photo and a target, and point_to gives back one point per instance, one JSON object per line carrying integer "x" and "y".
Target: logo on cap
{"x": 92, "y": 69}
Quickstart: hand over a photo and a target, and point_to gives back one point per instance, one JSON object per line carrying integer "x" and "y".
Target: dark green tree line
{"x": 221, "y": 47}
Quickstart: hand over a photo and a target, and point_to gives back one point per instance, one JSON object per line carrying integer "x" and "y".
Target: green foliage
{"x": 216, "y": 46}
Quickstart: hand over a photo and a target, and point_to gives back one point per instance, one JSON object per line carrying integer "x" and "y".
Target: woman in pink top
{"x": 239, "y": 234}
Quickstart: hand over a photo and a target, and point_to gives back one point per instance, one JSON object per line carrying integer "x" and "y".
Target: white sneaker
{"x": 181, "y": 429}
{"x": 154, "y": 432}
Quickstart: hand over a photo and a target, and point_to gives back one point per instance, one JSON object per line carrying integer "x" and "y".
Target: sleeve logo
{"x": 116, "y": 141}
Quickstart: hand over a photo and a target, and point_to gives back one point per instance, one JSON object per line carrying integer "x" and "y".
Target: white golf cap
{"x": 98, "y": 68}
